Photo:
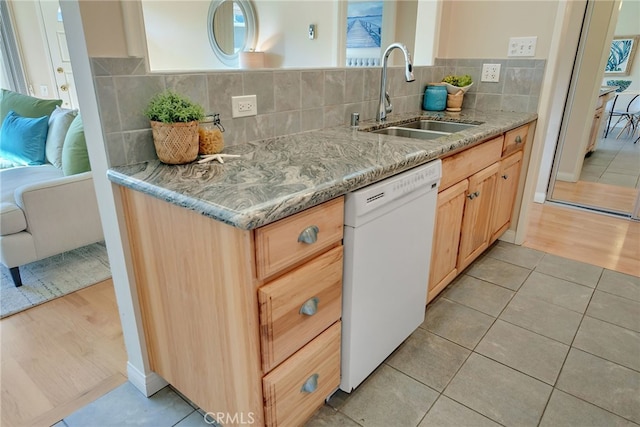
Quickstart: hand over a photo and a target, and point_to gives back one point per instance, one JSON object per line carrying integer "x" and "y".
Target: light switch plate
{"x": 490, "y": 73}
{"x": 522, "y": 46}
{"x": 244, "y": 106}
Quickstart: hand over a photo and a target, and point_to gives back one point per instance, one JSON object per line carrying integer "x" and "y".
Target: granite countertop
{"x": 278, "y": 177}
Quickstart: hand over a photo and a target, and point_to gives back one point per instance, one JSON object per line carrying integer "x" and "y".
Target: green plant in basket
{"x": 455, "y": 84}
{"x": 171, "y": 107}
{"x": 460, "y": 81}
{"x": 174, "y": 126}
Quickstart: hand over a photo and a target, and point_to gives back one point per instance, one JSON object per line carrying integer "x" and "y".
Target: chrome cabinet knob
{"x": 505, "y": 176}
{"x": 309, "y": 235}
{"x": 310, "y": 385}
{"x": 310, "y": 306}
{"x": 518, "y": 139}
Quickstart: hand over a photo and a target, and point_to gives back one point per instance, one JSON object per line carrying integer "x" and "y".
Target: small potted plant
{"x": 174, "y": 125}
{"x": 456, "y": 86}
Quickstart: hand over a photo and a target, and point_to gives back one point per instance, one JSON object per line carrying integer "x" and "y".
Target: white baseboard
{"x": 566, "y": 176}
{"x": 147, "y": 384}
{"x": 508, "y": 236}
{"x": 539, "y": 197}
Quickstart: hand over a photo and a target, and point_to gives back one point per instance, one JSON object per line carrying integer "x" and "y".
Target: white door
{"x": 59, "y": 53}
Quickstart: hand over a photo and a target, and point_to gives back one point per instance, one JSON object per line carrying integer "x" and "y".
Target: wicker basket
{"x": 176, "y": 143}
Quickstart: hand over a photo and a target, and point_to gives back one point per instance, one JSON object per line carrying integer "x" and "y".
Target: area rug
{"x": 53, "y": 277}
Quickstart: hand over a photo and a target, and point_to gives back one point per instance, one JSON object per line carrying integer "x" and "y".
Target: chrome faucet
{"x": 383, "y": 108}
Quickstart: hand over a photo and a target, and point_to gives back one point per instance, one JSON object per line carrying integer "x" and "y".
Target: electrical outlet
{"x": 244, "y": 106}
{"x": 44, "y": 90}
{"x": 490, "y": 73}
{"x": 522, "y": 46}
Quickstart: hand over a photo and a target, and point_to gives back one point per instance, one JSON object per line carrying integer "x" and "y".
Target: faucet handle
{"x": 388, "y": 108}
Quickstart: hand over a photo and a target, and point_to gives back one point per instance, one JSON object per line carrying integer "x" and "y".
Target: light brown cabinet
{"x": 474, "y": 234}
{"x": 506, "y": 189}
{"x": 475, "y": 204}
{"x": 446, "y": 237}
{"x": 244, "y": 323}
{"x": 597, "y": 121}
{"x": 300, "y": 311}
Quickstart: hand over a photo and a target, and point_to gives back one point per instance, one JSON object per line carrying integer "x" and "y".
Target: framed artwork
{"x": 623, "y": 49}
{"x": 364, "y": 24}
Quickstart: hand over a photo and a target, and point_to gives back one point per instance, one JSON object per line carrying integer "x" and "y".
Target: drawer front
{"x": 515, "y": 139}
{"x": 299, "y": 305}
{"x": 464, "y": 164}
{"x": 297, "y": 388}
{"x": 290, "y": 240}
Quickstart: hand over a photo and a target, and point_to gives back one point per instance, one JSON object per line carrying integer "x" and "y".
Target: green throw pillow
{"x": 59, "y": 122}
{"x": 75, "y": 158}
{"x": 26, "y": 106}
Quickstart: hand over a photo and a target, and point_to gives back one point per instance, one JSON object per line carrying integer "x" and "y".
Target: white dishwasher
{"x": 388, "y": 235}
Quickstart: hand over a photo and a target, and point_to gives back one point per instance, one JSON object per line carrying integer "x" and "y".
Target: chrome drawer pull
{"x": 309, "y": 235}
{"x": 473, "y": 195}
{"x": 518, "y": 139}
{"x": 310, "y": 385}
{"x": 310, "y": 306}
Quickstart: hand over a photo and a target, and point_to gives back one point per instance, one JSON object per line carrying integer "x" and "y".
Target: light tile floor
{"x": 615, "y": 162}
{"x": 523, "y": 338}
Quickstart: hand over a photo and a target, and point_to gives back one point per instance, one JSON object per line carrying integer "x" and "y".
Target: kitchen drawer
{"x": 464, "y": 164}
{"x": 290, "y": 395}
{"x": 514, "y": 139}
{"x": 299, "y": 305}
{"x": 280, "y": 245}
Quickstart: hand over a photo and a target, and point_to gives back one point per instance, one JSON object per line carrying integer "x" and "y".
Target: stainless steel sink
{"x": 424, "y": 129}
{"x": 438, "y": 126}
{"x": 410, "y": 133}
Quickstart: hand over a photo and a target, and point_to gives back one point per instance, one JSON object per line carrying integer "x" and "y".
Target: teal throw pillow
{"x": 26, "y": 106}
{"x": 75, "y": 158}
{"x": 22, "y": 139}
{"x": 59, "y": 122}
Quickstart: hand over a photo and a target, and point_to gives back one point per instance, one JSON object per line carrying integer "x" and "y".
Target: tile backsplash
{"x": 290, "y": 101}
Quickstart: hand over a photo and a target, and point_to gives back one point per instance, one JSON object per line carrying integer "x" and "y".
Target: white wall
{"x": 282, "y": 32}
{"x": 178, "y": 40}
{"x": 588, "y": 78}
{"x": 85, "y": 27}
{"x": 35, "y": 56}
{"x": 481, "y": 29}
{"x": 106, "y": 35}
{"x": 283, "y": 27}
{"x": 629, "y": 24}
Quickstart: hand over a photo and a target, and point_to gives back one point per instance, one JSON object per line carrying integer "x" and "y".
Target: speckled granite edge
{"x": 278, "y": 177}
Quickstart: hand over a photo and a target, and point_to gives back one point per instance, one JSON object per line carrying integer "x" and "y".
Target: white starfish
{"x": 219, "y": 157}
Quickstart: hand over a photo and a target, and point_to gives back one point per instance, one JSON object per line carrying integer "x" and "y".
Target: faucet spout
{"x": 383, "y": 108}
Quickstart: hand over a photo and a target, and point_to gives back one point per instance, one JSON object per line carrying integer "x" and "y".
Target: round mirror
{"x": 232, "y": 29}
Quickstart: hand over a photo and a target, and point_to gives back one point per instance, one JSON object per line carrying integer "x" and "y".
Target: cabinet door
{"x": 446, "y": 238}
{"x": 593, "y": 133}
{"x": 474, "y": 236}
{"x": 506, "y": 189}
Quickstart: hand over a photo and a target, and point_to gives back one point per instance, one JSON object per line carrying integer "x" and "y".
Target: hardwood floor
{"x": 597, "y": 239}
{"x": 606, "y": 196}
{"x": 63, "y": 354}
{"x": 59, "y": 356}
